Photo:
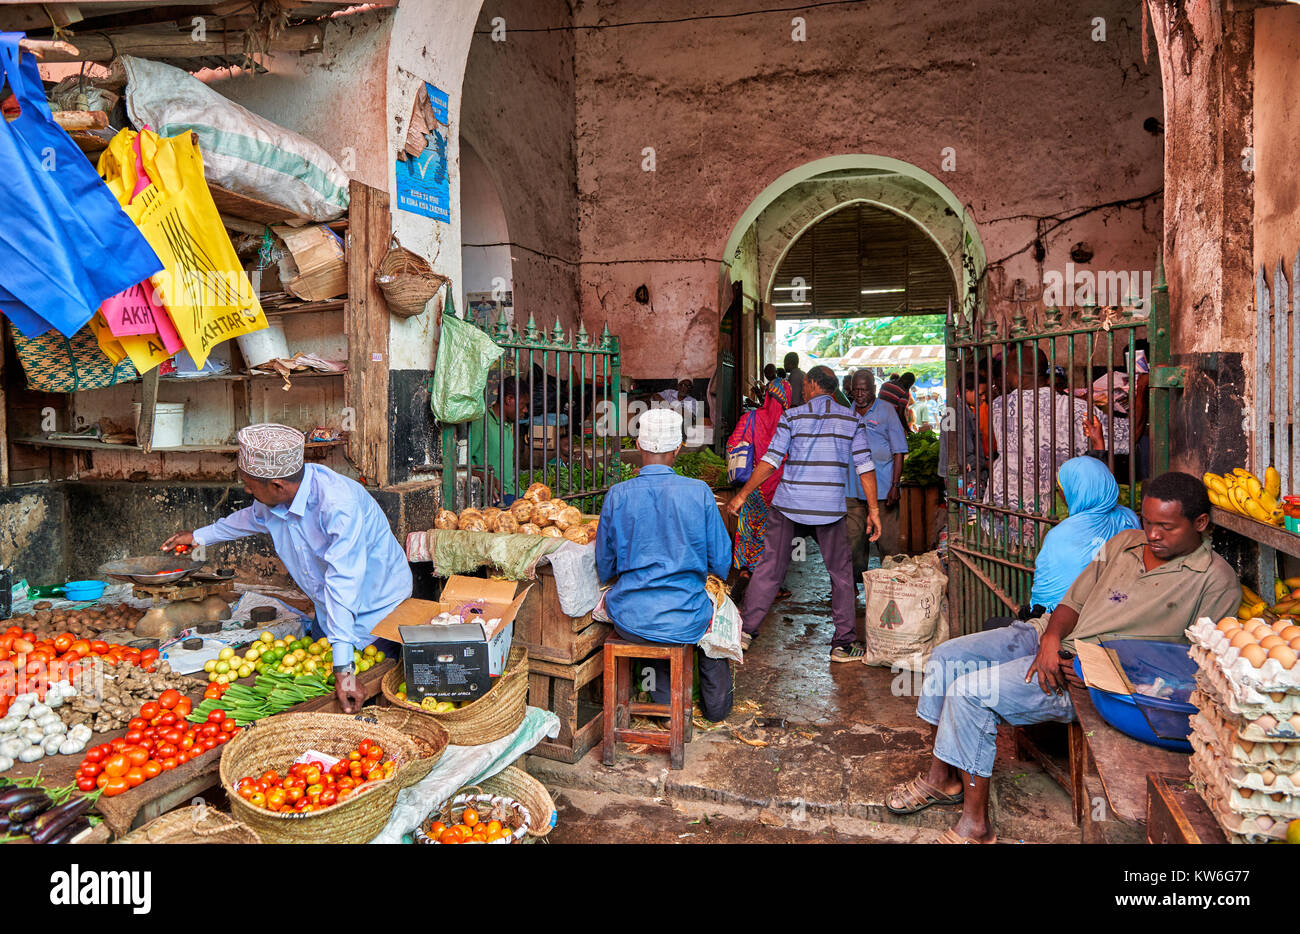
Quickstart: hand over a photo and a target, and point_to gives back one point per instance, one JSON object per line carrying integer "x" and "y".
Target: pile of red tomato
{"x": 157, "y": 740}
{"x": 29, "y": 664}
{"x": 310, "y": 786}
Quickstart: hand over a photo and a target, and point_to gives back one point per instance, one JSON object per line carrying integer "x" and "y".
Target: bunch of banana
{"x": 1286, "y": 597}
{"x": 1242, "y": 492}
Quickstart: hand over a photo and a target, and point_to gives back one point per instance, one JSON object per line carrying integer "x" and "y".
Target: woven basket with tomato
{"x": 271, "y": 746}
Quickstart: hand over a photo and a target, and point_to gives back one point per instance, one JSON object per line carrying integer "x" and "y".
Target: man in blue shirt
{"x": 888, "y": 444}
{"x": 331, "y": 535}
{"x": 816, "y": 444}
{"x": 660, "y": 535}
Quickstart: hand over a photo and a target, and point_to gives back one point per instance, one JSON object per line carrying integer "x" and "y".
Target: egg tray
{"x": 1239, "y": 827}
{"x": 1205, "y": 765}
{"x": 1270, "y": 677}
{"x": 1243, "y": 699}
{"x": 1261, "y": 730}
{"x": 1281, "y": 788}
{"x": 1260, "y": 758}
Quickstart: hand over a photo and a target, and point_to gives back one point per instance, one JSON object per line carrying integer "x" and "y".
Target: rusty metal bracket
{"x": 1169, "y": 377}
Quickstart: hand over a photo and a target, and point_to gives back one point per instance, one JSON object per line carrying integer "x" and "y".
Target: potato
{"x": 446, "y": 519}
{"x": 537, "y": 493}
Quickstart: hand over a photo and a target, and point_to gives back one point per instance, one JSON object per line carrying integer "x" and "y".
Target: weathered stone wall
{"x": 518, "y": 114}
{"x": 1045, "y": 126}
{"x": 1276, "y": 121}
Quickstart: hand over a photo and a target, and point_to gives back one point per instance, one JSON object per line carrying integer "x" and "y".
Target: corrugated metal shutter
{"x": 861, "y": 248}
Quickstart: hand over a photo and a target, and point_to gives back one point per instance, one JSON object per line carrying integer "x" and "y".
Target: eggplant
{"x": 24, "y": 811}
{"x": 4, "y": 826}
{"x": 14, "y": 796}
{"x": 68, "y": 832}
{"x": 48, "y": 824}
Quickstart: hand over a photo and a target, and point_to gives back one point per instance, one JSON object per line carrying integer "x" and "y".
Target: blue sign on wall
{"x": 422, "y": 182}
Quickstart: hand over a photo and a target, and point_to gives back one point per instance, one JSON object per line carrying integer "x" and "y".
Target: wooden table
{"x": 171, "y": 789}
{"x": 1177, "y": 814}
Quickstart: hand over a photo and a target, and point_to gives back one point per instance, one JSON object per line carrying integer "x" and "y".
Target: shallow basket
{"x": 512, "y": 791}
{"x": 193, "y": 825}
{"x": 496, "y": 714}
{"x": 275, "y": 742}
{"x": 528, "y": 791}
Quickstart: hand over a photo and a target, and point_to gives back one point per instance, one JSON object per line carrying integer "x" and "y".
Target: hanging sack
{"x": 54, "y": 363}
{"x": 465, "y": 354}
{"x": 67, "y": 245}
{"x": 407, "y": 281}
{"x": 740, "y": 459}
{"x": 203, "y": 286}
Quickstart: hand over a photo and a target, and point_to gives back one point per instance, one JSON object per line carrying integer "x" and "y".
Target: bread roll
{"x": 506, "y": 522}
{"x": 544, "y": 513}
{"x": 578, "y": 534}
{"x": 529, "y": 529}
{"x": 446, "y": 519}
{"x": 537, "y": 493}
{"x": 470, "y": 515}
{"x": 522, "y": 510}
{"x": 490, "y": 515}
{"x": 567, "y": 518}
{"x": 552, "y": 532}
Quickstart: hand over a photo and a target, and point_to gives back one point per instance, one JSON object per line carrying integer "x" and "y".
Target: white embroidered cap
{"x": 659, "y": 430}
{"x": 270, "y": 451}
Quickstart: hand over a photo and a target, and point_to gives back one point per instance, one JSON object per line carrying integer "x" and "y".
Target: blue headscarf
{"x": 1091, "y": 494}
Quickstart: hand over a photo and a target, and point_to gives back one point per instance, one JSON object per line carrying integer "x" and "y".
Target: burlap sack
{"x": 907, "y": 613}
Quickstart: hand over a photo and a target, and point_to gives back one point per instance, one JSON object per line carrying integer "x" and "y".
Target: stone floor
{"x": 809, "y": 752}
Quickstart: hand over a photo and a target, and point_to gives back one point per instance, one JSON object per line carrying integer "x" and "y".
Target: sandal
{"x": 746, "y": 639}
{"x": 853, "y": 652}
{"x": 917, "y": 795}
{"x": 952, "y": 836}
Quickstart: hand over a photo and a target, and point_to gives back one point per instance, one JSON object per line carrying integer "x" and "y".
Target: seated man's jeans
{"x": 972, "y": 681}
{"x": 715, "y": 679}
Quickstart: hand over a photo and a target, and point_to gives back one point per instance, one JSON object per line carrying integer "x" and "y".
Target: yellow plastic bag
{"x": 145, "y": 351}
{"x": 204, "y": 289}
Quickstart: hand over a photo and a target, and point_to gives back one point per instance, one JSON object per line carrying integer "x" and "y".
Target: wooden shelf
{"x": 1268, "y": 535}
{"x": 90, "y": 444}
{"x": 236, "y": 377}
{"x": 333, "y": 304}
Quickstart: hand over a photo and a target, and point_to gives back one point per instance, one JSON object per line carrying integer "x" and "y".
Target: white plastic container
{"x": 168, "y": 424}
{"x": 261, "y": 346}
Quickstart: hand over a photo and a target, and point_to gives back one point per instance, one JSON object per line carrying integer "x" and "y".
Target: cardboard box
{"x": 480, "y": 602}
{"x": 317, "y": 267}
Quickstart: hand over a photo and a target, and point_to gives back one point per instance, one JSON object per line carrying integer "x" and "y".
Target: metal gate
{"x": 1002, "y": 492}
{"x": 564, "y": 427}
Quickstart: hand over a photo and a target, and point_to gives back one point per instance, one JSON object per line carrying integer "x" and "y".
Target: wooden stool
{"x": 619, "y": 707}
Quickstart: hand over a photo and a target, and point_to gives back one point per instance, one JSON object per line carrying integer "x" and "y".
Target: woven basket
{"x": 528, "y": 791}
{"x": 496, "y": 714}
{"x": 509, "y": 811}
{"x": 407, "y": 281}
{"x": 188, "y": 825}
{"x": 54, "y": 363}
{"x": 273, "y": 743}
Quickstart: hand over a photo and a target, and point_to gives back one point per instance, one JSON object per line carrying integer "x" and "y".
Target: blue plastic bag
{"x": 65, "y": 242}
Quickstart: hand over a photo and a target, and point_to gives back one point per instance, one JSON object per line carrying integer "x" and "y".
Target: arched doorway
{"x": 896, "y": 208}
{"x": 486, "y": 263}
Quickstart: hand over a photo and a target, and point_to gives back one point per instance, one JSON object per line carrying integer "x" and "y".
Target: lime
{"x": 245, "y": 671}
{"x": 379, "y": 657}
{"x": 222, "y": 667}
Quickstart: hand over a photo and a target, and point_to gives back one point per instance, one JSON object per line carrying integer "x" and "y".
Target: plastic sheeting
{"x": 576, "y": 585}
{"x": 461, "y": 766}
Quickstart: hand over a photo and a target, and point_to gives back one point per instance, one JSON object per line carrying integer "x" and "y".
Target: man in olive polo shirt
{"x": 1149, "y": 584}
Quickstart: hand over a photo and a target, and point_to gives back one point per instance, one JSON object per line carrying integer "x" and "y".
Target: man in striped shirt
{"x": 819, "y": 442}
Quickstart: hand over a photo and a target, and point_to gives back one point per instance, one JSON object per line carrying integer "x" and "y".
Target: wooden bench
{"x": 1105, "y": 772}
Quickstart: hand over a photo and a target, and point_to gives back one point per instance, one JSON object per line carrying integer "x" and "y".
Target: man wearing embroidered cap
{"x": 331, "y": 535}
{"x": 660, "y": 536}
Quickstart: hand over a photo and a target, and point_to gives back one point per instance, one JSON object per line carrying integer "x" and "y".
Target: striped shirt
{"x": 818, "y": 441}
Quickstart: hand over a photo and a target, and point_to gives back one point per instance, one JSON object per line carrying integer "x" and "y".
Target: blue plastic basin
{"x": 83, "y": 590}
{"x": 1159, "y": 721}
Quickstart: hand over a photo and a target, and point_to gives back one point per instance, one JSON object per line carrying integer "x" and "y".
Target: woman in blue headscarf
{"x": 1091, "y": 495}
